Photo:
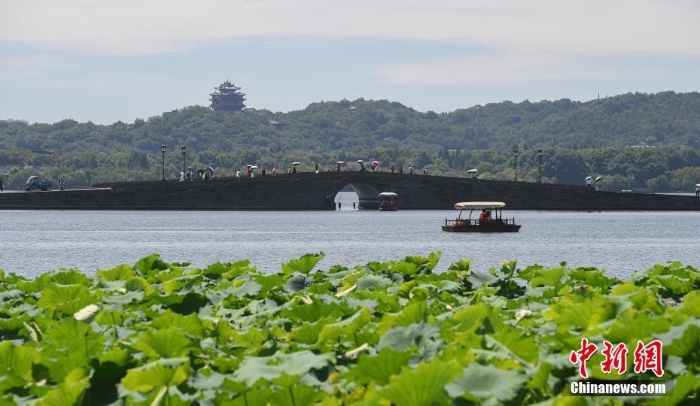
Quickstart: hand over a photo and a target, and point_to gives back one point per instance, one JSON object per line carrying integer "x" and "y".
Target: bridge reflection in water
{"x": 317, "y": 191}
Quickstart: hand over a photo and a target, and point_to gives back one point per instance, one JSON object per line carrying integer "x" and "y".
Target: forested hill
{"x": 666, "y": 118}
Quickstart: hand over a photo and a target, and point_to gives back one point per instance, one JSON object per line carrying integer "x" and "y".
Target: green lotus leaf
{"x": 354, "y": 303}
{"x": 215, "y": 270}
{"x": 681, "y": 340}
{"x": 303, "y": 264}
{"x": 238, "y": 269}
{"x": 138, "y": 284}
{"x": 508, "y": 269}
{"x": 314, "y": 311}
{"x": 416, "y": 312}
{"x": 298, "y": 283}
{"x": 691, "y": 304}
{"x": 347, "y": 327}
{"x": 405, "y": 268}
{"x": 640, "y": 298}
{"x": 593, "y": 277}
{"x": 125, "y": 298}
{"x": 296, "y": 395}
{"x": 272, "y": 367}
{"x": 68, "y": 299}
{"x": 472, "y": 316}
{"x": 68, "y": 345}
{"x": 206, "y": 379}
{"x": 547, "y": 277}
{"x": 17, "y": 360}
{"x": 422, "y": 386}
{"x": 423, "y": 263}
{"x": 539, "y": 378}
{"x": 173, "y": 273}
{"x": 36, "y": 285}
{"x": 181, "y": 283}
{"x": 426, "y": 338}
{"x": 163, "y": 372}
{"x": 633, "y": 325}
{"x": 119, "y": 273}
{"x": 187, "y": 303}
{"x": 379, "y": 368}
{"x": 308, "y": 332}
{"x": 449, "y": 286}
{"x": 587, "y": 314}
{"x": 12, "y": 294}
{"x": 523, "y": 348}
{"x": 69, "y": 392}
{"x": 165, "y": 343}
{"x": 478, "y": 279}
{"x": 460, "y": 266}
{"x": 190, "y": 324}
{"x": 150, "y": 264}
{"x": 372, "y": 282}
{"x": 70, "y": 277}
{"x": 269, "y": 282}
{"x": 486, "y": 381}
{"x": 258, "y": 397}
{"x": 682, "y": 392}
{"x": 244, "y": 288}
{"x": 676, "y": 284}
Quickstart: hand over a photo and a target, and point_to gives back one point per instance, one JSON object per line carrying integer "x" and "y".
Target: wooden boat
{"x": 490, "y": 219}
{"x": 388, "y": 201}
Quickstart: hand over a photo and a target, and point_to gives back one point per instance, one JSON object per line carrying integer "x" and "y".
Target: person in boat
{"x": 487, "y": 216}
{"x": 482, "y": 216}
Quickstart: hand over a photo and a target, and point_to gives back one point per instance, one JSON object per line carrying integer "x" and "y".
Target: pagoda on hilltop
{"x": 227, "y": 97}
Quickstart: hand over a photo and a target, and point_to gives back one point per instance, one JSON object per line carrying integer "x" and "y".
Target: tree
{"x": 227, "y": 97}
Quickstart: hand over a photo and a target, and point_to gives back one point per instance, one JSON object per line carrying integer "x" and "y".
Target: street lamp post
{"x": 162, "y": 150}
{"x": 516, "y": 152}
{"x": 184, "y": 151}
{"x": 539, "y": 166}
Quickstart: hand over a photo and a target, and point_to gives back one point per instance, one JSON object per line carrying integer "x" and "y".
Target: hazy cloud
{"x": 133, "y": 27}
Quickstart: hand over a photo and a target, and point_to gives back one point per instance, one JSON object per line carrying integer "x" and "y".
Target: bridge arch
{"x": 367, "y": 193}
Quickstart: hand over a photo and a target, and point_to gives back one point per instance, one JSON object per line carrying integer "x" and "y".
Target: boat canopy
{"x": 479, "y": 205}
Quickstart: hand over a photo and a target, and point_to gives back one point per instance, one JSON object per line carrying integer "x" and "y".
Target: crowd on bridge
{"x": 250, "y": 171}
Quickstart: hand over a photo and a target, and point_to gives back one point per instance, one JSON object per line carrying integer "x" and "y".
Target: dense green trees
{"x": 632, "y": 140}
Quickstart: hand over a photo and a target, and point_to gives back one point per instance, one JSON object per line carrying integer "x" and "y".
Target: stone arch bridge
{"x": 316, "y": 191}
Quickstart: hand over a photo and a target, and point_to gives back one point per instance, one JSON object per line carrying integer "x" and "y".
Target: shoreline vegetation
{"x": 382, "y": 333}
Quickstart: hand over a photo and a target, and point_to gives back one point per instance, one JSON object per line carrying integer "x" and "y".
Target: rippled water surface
{"x": 621, "y": 242}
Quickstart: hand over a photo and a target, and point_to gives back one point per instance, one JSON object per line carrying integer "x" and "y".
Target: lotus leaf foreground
{"x": 396, "y": 332}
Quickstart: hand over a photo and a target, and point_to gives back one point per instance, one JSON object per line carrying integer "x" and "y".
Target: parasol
{"x": 359, "y": 161}
{"x": 296, "y": 163}
{"x": 376, "y": 162}
{"x": 340, "y": 162}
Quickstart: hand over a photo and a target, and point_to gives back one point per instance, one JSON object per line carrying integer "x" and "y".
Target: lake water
{"x": 34, "y": 242}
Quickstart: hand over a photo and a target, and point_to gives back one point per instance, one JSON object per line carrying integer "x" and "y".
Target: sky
{"x": 108, "y": 61}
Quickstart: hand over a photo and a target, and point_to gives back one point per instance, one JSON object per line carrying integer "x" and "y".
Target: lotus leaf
{"x": 304, "y": 264}
{"x": 488, "y": 382}
{"x": 422, "y": 386}
{"x": 163, "y": 372}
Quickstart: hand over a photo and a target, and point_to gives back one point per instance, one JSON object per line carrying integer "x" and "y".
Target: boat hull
{"x": 502, "y": 228}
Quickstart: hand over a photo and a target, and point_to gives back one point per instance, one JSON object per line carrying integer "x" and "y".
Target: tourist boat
{"x": 388, "y": 201}
{"x": 490, "y": 219}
